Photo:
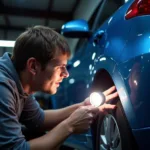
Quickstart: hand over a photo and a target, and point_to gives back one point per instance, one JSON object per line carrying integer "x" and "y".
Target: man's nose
{"x": 65, "y": 73}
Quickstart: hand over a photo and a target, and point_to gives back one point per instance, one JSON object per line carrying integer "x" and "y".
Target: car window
{"x": 80, "y": 45}
{"x": 107, "y": 8}
{"x": 94, "y": 15}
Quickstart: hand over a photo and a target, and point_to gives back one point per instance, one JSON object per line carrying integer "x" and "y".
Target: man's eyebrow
{"x": 60, "y": 64}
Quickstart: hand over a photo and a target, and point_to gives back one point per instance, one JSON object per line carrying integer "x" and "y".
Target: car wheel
{"x": 113, "y": 132}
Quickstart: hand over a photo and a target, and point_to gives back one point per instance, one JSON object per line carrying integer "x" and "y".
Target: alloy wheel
{"x": 109, "y": 134}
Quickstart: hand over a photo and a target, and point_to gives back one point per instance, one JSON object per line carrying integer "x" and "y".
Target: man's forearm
{"x": 54, "y": 117}
{"x": 52, "y": 139}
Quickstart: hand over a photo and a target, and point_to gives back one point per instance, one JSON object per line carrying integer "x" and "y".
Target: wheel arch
{"x": 101, "y": 82}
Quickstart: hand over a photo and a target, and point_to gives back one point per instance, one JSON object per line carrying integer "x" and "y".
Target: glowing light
{"x": 87, "y": 86}
{"x": 71, "y": 81}
{"x": 4, "y": 43}
{"x": 135, "y": 82}
{"x": 76, "y": 63}
{"x": 63, "y": 27}
{"x": 102, "y": 59}
{"x": 90, "y": 67}
{"x": 110, "y": 20}
{"x": 97, "y": 99}
{"x": 93, "y": 56}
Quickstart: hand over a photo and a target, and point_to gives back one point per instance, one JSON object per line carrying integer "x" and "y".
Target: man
{"x": 38, "y": 63}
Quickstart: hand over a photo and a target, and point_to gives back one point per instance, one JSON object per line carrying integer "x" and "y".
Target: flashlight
{"x": 97, "y": 99}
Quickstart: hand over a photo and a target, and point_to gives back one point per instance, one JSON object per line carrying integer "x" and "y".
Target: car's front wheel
{"x": 113, "y": 132}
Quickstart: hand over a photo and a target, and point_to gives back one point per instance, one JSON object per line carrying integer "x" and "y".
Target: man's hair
{"x": 40, "y": 42}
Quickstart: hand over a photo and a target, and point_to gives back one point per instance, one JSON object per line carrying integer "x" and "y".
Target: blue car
{"x": 113, "y": 49}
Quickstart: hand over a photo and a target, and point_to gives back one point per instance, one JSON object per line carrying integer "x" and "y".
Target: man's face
{"x": 49, "y": 79}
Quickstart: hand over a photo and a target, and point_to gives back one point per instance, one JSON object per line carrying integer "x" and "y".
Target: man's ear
{"x": 32, "y": 65}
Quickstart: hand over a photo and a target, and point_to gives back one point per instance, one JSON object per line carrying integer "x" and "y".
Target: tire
{"x": 113, "y": 132}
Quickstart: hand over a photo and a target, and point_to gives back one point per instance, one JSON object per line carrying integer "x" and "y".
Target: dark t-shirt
{"x": 16, "y": 108}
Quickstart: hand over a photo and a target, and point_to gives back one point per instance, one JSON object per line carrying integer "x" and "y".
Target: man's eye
{"x": 59, "y": 67}
{"x": 62, "y": 68}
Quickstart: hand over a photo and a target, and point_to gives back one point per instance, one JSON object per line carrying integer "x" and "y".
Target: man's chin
{"x": 52, "y": 92}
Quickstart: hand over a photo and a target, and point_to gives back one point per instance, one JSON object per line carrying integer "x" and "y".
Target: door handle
{"x": 97, "y": 37}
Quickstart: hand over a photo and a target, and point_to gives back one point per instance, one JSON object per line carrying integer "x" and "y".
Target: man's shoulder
{"x": 7, "y": 84}
{"x": 6, "y": 80}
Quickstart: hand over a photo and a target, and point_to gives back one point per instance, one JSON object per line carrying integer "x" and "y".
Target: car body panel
{"x": 142, "y": 137}
{"x": 135, "y": 74}
{"x": 114, "y": 39}
{"x": 122, "y": 48}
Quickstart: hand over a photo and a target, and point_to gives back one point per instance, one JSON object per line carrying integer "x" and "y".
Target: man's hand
{"x": 109, "y": 97}
{"x": 80, "y": 120}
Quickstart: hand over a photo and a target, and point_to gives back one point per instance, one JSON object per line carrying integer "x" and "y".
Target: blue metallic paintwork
{"x": 78, "y": 91}
{"x": 117, "y": 35}
{"x": 110, "y": 66}
{"x": 84, "y": 76}
{"x": 110, "y": 47}
{"x": 142, "y": 136}
{"x": 135, "y": 74}
{"x": 76, "y": 25}
{"x": 123, "y": 51}
{"x": 139, "y": 38}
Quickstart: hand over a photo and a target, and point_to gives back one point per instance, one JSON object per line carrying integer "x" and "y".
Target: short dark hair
{"x": 40, "y": 42}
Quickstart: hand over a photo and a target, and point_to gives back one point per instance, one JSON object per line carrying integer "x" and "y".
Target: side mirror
{"x": 76, "y": 29}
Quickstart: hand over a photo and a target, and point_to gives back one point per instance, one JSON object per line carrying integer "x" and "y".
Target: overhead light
{"x": 4, "y": 43}
{"x": 76, "y": 63}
